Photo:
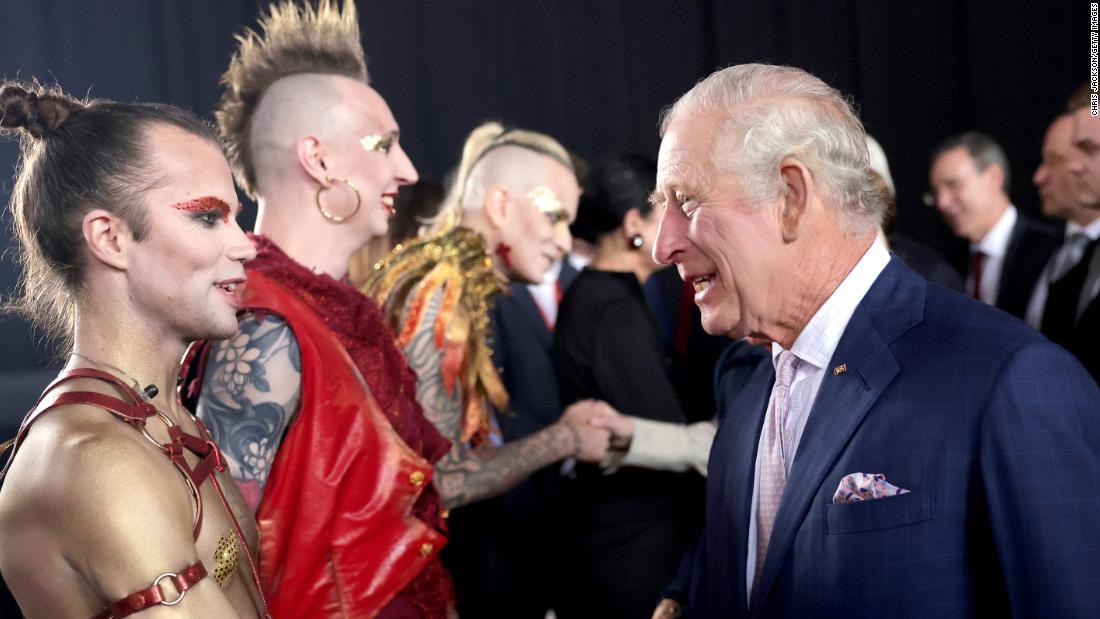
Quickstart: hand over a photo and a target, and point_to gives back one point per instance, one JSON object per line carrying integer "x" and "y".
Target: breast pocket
{"x": 888, "y": 513}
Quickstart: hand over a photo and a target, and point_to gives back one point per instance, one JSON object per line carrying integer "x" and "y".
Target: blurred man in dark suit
{"x": 969, "y": 185}
{"x": 1054, "y": 304}
{"x": 1080, "y": 292}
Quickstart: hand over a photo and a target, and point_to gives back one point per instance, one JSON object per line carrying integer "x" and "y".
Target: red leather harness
{"x": 136, "y": 411}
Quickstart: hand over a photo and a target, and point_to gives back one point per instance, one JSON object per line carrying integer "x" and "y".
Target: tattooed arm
{"x": 464, "y": 476}
{"x": 250, "y": 392}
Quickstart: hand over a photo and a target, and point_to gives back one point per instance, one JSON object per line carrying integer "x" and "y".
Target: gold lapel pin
{"x": 840, "y": 369}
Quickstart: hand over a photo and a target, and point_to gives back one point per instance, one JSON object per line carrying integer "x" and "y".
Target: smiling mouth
{"x": 387, "y": 203}
{"x": 231, "y": 286}
{"x": 701, "y": 284}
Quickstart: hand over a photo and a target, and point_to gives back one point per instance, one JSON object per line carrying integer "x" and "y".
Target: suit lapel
{"x": 531, "y": 314}
{"x": 893, "y": 305}
{"x": 530, "y": 309}
{"x": 1009, "y": 281}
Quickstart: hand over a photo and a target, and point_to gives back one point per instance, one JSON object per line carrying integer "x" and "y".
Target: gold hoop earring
{"x": 329, "y": 216}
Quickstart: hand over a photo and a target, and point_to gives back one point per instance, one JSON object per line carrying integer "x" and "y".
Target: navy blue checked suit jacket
{"x": 994, "y": 430}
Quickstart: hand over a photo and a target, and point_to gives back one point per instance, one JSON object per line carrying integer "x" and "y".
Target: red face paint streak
{"x": 205, "y": 203}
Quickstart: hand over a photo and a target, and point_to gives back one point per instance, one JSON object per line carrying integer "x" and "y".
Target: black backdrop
{"x": 595, "y": 74}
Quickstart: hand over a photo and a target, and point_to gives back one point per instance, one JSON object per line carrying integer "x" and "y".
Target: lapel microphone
{"x": 149, "y": 392}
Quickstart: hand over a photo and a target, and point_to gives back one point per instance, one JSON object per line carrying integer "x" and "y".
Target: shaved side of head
{"x": 515, "y": 168}
{"x": 317, "y": 105}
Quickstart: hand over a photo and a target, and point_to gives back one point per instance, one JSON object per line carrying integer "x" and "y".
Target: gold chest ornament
{"x": 226, "y": 557}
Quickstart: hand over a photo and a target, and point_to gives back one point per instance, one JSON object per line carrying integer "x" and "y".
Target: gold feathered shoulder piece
{"x": 456, "y": 265}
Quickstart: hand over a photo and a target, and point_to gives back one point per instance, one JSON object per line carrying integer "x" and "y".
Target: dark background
{"x": 594, "y": 74}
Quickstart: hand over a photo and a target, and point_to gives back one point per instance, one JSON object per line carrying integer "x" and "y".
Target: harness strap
{"x": 136, "y": 412}
{"x": 244, "y": 545}
{"x": 135, "y": 415}
{"x": 153, "y": 596}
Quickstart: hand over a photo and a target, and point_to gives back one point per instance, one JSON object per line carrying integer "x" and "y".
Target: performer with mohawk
{"x": 313, "y": 405}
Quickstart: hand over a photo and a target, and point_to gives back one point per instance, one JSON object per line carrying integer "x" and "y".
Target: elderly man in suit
{"x": 910, "y": 452}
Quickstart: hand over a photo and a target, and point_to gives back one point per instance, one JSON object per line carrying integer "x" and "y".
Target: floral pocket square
{"x": 865, "y": 487}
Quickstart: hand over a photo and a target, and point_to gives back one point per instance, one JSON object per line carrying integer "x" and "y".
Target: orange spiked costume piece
{"x": 456, "y": 267}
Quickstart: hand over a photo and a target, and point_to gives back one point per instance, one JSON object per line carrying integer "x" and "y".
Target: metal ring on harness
{"x": 167, "y": 425}
{"x": 182, "y": 594}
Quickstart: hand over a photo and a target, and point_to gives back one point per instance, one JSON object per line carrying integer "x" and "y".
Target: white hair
{"x": 880, "y": 164}
{"x": 772, "y": 112}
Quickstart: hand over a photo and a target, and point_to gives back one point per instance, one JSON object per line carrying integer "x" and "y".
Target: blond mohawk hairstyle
{"x": 293, "y": 39}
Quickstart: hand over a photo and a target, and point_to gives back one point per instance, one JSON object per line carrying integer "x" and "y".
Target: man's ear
{"x": 497, "y": 205}
{"x": 795, "y": 201}
{"x": 996, "y": 175}
{"x": 108, "y": 237}
{"x": 311, "y": 158}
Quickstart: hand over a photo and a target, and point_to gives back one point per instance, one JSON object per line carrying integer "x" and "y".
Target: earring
{"x": 329, "y": 216}
{"x": 503, "y": 250}
{"x": 636, "y": 241}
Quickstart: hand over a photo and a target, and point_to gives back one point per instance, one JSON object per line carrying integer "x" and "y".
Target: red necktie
{"x": 976, "y": 269}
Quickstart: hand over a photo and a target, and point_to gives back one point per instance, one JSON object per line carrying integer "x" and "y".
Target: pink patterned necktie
{"x": 773, "y": 467}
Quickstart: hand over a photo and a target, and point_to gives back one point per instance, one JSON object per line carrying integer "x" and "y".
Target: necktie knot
{"x": 785, "y": 368}
{"x": 1069, "y": 255}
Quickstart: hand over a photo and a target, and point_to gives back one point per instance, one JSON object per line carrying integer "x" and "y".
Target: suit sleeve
{"x": 1040, "y": 466}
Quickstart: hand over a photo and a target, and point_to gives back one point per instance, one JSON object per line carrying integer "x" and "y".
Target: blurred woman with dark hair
{"x": 626, "y": 530}
{"x": 118, "y": 501}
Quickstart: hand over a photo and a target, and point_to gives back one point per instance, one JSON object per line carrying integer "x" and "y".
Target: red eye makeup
{"x": 205, "y": 204}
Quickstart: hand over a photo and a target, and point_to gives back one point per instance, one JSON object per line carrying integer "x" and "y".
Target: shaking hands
{"x": 600, "y": 428}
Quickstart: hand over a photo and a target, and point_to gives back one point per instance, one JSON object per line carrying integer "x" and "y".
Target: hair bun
{"x": 34, "y": 109}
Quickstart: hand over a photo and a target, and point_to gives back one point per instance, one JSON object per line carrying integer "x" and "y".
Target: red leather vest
{"x": 337, "y": 537}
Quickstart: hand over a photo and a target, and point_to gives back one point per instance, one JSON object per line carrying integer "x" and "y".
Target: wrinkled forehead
{"x": 685, "y": 161}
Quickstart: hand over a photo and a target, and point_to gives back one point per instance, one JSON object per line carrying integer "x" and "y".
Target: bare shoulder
{"x": 80, "y": 464}
{"x": 90, "y": 498}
